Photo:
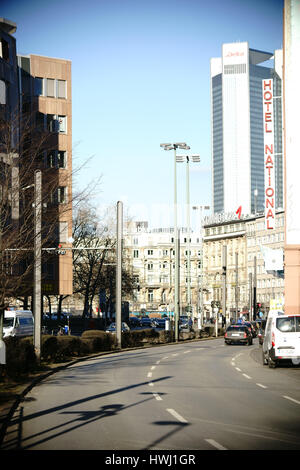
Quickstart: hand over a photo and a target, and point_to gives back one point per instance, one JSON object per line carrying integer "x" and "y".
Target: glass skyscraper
{"x": 237, "y": 130}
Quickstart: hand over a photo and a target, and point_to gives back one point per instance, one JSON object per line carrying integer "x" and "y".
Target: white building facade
{"x": 150, "y": 253}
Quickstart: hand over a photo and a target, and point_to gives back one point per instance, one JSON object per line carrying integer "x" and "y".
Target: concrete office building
{"x": 36, "y": 133}
{"x": 45, "y": 92}
{"x": 237, "y": 131}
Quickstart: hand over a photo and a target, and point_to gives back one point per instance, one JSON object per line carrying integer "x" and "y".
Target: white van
{"x": 18, "y": 323}
{"x": 282, "y": 338}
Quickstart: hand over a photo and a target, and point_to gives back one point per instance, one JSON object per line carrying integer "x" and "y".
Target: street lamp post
{"x": 119, "y": 274}
{"x": 37, "y": 298}
{"x": 195, "y": 159}
{"x": 201, "y": 261}
{"x": 175, "y": 146}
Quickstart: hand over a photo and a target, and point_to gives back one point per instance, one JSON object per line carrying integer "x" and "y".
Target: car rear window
{"x": 289, "y": 324}
{"x": 236, "y": 328}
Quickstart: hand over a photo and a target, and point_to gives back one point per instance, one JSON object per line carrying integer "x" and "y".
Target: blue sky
{"x": 140, "y": 77}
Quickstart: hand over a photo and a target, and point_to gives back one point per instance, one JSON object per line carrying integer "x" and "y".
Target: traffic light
{"x": 60, "y": 250}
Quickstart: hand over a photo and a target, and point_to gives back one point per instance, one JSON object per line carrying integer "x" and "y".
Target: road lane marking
{"x": 247, "y": 376}
{"x": 215, "y": 444}
{"x": 151, "y": 384}
{"x": 175, "y": 354}
{"x": 176, "y": 415}
{"x": 238, "y": 369}
{"x": 153, "y": 367}
{"x": 185, "y": 352}
{"x": 149, "y": 374}
{"x": 157, "y": 396}
{"x": 292, "y": 399}
{"x": 166, "y": 357}
{"x": 261, "y": 385}
{"x": 157, "y": 362}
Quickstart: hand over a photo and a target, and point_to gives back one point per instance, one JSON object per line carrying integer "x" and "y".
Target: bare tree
{"x": 94, "y": 259}
{"x": 24, "y": 148}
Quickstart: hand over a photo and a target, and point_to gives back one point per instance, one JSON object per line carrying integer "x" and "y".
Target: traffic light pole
{"x": 254, "y": 290}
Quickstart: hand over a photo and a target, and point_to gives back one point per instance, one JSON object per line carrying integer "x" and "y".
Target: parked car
{"x": 281, "y": 339}
{"x": 161, "y": 322}
{"x": 148, "y": 322}
{"x": 238, "y": 334}
{"x": 134, "y": 322}
{"x": 185, "y": 323}
{"x": 113, "y": 328}
{"x": 18, "y": 323}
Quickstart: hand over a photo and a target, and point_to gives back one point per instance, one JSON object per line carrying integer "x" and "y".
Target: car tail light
{"x": 245, "y": 335}
{"x": 273, "y": 339}
{"x": 225, "y": 335}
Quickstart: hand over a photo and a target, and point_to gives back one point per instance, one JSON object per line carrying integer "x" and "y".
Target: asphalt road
{"x": 199, "y": 395}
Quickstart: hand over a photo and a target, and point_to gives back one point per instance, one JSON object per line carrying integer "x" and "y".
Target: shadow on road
{"x": 82, "y": 418}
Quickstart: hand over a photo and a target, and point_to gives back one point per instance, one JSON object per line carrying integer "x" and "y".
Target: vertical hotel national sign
{"x": 269, "y": 155}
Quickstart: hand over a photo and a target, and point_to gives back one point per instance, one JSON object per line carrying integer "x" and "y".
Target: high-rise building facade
{"x": 237, "y": 131}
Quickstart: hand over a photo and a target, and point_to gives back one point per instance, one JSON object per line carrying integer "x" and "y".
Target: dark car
{"x": 113, "y": 328}
{"x": 161, "y": 322}
{"x": 238, "y": 334}
{"x": 134, "y": 322}
{"x": 185, "y": 323}
{"x": 148, "y": 322}
{"x": 249, "y": 325}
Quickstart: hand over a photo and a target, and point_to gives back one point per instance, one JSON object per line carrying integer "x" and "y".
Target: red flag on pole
{"x": 239, "y": 211}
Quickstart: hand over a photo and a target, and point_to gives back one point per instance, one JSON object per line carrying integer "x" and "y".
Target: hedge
{"x": 21, "y": 358}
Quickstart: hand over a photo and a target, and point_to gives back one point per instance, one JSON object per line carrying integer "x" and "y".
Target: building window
{"x": 61, "y": 89}
{"x": 150, "y": 295}
{"x": 62, "y": 195}
{"x": 50, "y": 87}
{"x": 40, "y": 121}
{"x": 63, "y": 232}
{"x": 150, "y": 266}
{"x": 51, "y": 123}
{"x": 2, "y": 92}
{"x": 150, "y": 252}
{"x": 61, "y": 159}
{"x": 135, "y": 253}
{"x": 62, "y": 124}
{"x": 51, "y": 159}
{"x": 38, "y": 86}
{"x": 4, "y": 49}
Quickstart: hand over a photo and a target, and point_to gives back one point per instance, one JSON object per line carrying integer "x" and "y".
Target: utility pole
{"x": 177, "y": 283}
{"x": 236, "y": 285}
{"x": 119, "y": 274}
{"x": 224, "y": 274}
{"x": 37, "y": 287}
{"x": 250, "y": 298}
{"x": 254, "y": 291}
